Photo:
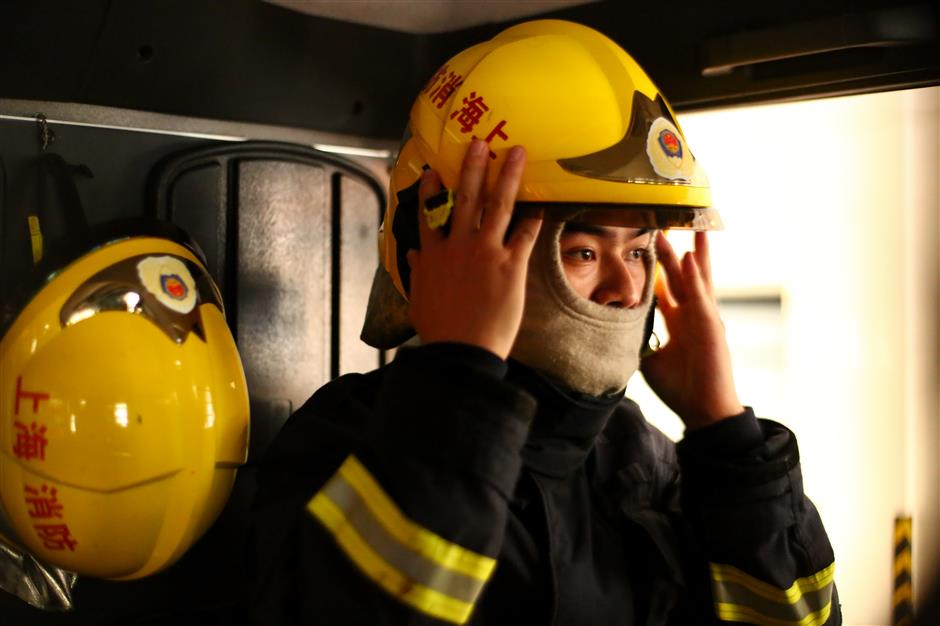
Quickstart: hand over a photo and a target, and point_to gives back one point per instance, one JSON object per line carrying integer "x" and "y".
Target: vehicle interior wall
{"x": 289, "y": 234}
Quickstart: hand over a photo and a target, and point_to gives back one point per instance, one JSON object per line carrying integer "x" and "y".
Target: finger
{"x": 497, "y": 212}
{"x": 694, "y": 285}
{"x": 665, "y": 303}
{"x": 664, "y": 299}
{"x": 670, "y": 263}
{"x": 467, "y": 207}
{"x": 703, "y": 259}
{"x": 430, "y": 185}
{"x": 525, "y": 231}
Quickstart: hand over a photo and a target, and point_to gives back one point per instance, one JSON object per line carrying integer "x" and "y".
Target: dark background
{"x": 250, "y": 61}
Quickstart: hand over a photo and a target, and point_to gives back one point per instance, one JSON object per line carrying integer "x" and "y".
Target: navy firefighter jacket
{"x": 453, "y": 487}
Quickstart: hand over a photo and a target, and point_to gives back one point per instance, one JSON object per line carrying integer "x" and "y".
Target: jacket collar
{"x": 566, "y": 422}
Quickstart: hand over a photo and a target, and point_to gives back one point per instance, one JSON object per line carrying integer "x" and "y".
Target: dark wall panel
{"x": 674, "y": 42}
{"x": 251, "y": 61}
{"x": 48, "y": 47}
{"x": 238, "y": 60}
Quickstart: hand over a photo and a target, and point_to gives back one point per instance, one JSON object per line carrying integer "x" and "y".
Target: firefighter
{"x": 495, "y": 472}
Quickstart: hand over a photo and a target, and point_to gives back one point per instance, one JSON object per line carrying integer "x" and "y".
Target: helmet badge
{"x": 173, "y": 286}
{"x": 666, "y": 152}
{"x": 670, "y": 143}
{"x": 170, "y": 282}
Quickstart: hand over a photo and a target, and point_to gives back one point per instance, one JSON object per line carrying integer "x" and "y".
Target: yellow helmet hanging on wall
{"x": 123, "y": 410}
{"x": 597, "y": 131}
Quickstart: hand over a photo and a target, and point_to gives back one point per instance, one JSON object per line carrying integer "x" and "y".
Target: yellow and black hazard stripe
{"x": 903, "y": 601}
{"x": 739, "y": 597}
{"x": 416, "y": 566}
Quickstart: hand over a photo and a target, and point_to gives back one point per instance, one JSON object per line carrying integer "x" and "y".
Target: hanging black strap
{"x": 44, "y": 215}
{"x": 59, "y": 217}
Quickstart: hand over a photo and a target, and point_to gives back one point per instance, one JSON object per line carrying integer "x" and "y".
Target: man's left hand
{"x": 691, "y": 373}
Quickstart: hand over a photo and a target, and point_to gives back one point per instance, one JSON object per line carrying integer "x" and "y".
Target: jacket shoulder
{"x": 327, "y": 426}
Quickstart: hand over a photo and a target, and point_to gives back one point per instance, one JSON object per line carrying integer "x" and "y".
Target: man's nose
{"x": 618, "y": 287}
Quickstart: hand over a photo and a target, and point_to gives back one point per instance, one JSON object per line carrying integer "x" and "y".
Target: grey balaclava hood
{"x": 582, "y": 345}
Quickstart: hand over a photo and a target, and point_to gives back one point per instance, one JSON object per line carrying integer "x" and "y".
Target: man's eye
{"x": 586, "y": 255}
{"x": 581, "y": 254}
{"x": 638, "y": 254}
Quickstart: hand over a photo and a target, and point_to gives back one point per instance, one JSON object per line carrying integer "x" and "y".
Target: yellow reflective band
{"x": 814, "y": 582}
{"x": 379, "y": 571}
{"x": 418, "y": 539}
{"x": 736, "y": 613}
{"x": 739, "y": 597}
{"x": 409, "y": 563}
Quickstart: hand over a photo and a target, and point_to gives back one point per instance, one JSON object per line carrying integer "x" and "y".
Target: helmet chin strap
{"x": 582, "y": 345}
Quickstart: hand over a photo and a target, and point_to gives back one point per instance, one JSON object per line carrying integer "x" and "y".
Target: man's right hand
{"x": 469, "y": 286}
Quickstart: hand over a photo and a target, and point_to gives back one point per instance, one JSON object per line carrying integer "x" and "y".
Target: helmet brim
{"x": 633, "y": 216}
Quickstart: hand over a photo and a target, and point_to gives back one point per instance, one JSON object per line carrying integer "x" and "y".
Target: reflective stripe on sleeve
{"x": 415, "y": 565}
{"x": 739, "y": 597}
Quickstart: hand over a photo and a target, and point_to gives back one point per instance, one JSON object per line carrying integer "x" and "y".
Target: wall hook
{"x": 46, "y": 134}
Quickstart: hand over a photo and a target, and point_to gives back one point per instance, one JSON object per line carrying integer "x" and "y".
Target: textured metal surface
{"x": 359, "y": 225}
{"x": 284, "y": 271}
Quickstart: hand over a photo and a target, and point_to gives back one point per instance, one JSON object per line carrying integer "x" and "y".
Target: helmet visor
{"x": 165, "y": 289}
{"x": 653, "y": 151}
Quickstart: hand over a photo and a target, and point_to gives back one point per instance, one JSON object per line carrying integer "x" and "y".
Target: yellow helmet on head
{"x": 123, "y": 410}
{"x": 598, "y": 134}
{"x": 597, "y": 131}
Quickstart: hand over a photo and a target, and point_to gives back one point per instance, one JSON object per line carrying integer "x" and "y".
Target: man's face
{"x": 605, "y": 264}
